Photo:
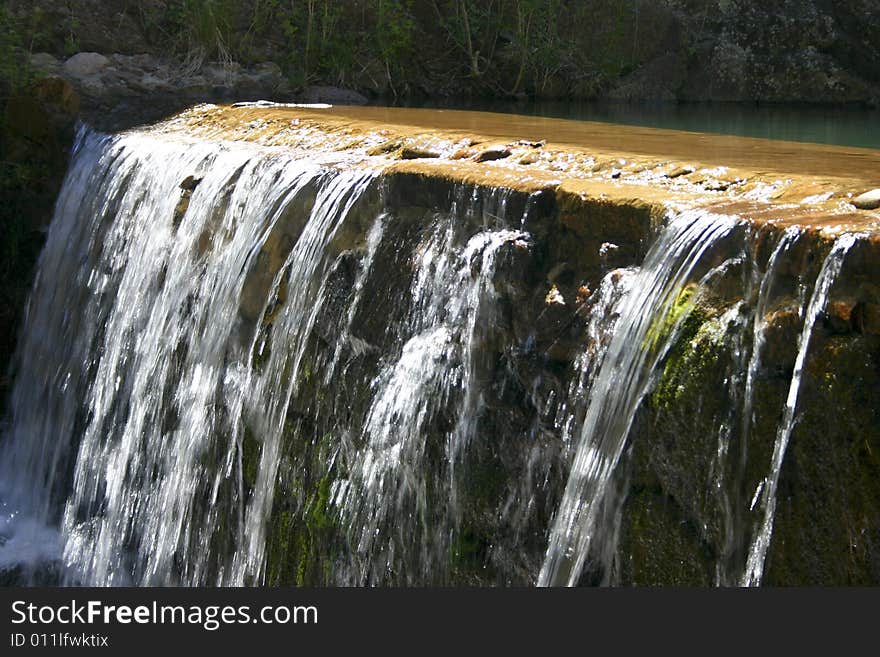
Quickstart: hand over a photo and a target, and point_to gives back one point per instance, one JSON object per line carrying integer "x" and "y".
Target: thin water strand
{"x": 831, "y": 267}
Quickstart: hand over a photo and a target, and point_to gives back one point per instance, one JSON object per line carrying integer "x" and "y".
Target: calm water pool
{"x": 823, "y": 125}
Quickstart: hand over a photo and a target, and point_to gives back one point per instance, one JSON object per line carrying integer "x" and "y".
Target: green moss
{"x": 318, "y": 513}
{"x": 280, "y": 535}
{"x": 304, "y": 533}
{"x": 305, "y": 559}
{"x": 685, "y": 311}
{"x": 678, "y": 442}
{"x": 314, "y": 536}
{"x": 828, "y": 506}
{"x": 689, "y": 361}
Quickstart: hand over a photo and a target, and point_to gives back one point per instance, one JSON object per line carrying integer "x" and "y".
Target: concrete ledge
{"x": 582, "y": 162}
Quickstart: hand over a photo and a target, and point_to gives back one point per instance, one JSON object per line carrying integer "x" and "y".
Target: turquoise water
{"x": 823, "y": 125}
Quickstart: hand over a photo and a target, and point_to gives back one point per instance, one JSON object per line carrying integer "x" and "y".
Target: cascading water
{"x": 636, "y": 347}
{"x": 246, "y": 365}
{"x": 827, "y": 275}
{"x": 199, "y": 274}
{"x": 746, "y": 373}
{"x": 626, "y": 375}
{"x": 452, "y": 298}
{"x": 155, "y": 350}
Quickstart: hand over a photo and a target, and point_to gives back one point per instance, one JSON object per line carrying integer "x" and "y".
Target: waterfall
{"x": 452, "y": 297}
{"x": 625, "y": 375}
{"x": 186, "y": 282}
{"x": 246, "y": 365}
{"x": 646, "y": 327}
{"x": 827, "y": 275}
{"x": 745, "y": 370}
{"x": 152, "y": 262}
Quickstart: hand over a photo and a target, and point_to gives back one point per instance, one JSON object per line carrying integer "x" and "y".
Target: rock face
{"x": 784, "y": 50}
{"x": 828, "y": 492}
{"x": 687, "y": 496}
{"x": 113, "y": 87}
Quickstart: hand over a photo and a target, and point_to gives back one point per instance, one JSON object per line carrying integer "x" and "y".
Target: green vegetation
{"x": 33, "y": 157}
{"x": 18, "y": 36}
{"x": 393, "y": 47}
{"x": 797, "y": 50}
{"x": 683, "y": 311}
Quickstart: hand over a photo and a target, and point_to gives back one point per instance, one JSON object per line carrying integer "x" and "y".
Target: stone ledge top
{"x": 759, "y": 179}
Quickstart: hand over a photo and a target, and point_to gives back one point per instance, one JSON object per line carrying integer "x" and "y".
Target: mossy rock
{"x": 687, "y": 408}
{"x": 658, "y": 546}
{"x": 827, "y": 524}
{"x": 303, "y": 533}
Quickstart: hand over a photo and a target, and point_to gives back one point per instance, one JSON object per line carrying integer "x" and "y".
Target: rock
{"x": 554, "y": 297}
{"x": 416, "y": 153}
{"x": 150, "y": 82}
{"x": 57, "y": 94}
{"x": 385, "y": 147}
{"x": 556, "y": 272}
{"x": 869, "y": 320}
{"x": 140, "y": 63}
{"x": 45, "y": 63}
{"x": 85, "y": 64}
{"x": 610, "y": 256}
{"x": 268, "y": 73}
{"x": 219, "y": 75}
{"x": 332, "y": 95}
{"x": 462, "y": 154}
{"x": 195, "y": 86}
{"x": 492, "y": 154}
{"x": 839, "y": 314}
{"x": 680, "y": 171}
{"x": 92, "y": 86}
{"x": 190, "y": 183}
{"x": 657, "y": 79}
{"x": 868, "y": 200}
{"x": 262, "y": 80}
{"x": 717, "y": 185}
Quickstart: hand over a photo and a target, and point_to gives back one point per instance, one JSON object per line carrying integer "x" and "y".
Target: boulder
{"x": 220, "y": 75}
{"x": 868, "y": 201}
{"x": 150, "y": 82}
{"x": 85, "y": 64}
{"x": 332, "y": 95}
{"x": 415, "y": 153}
{"x": 92, "y": 86}
{"x": 141, "y": 63}
{"x": 43, "y": 62}
{"x": 268, "y": 73}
